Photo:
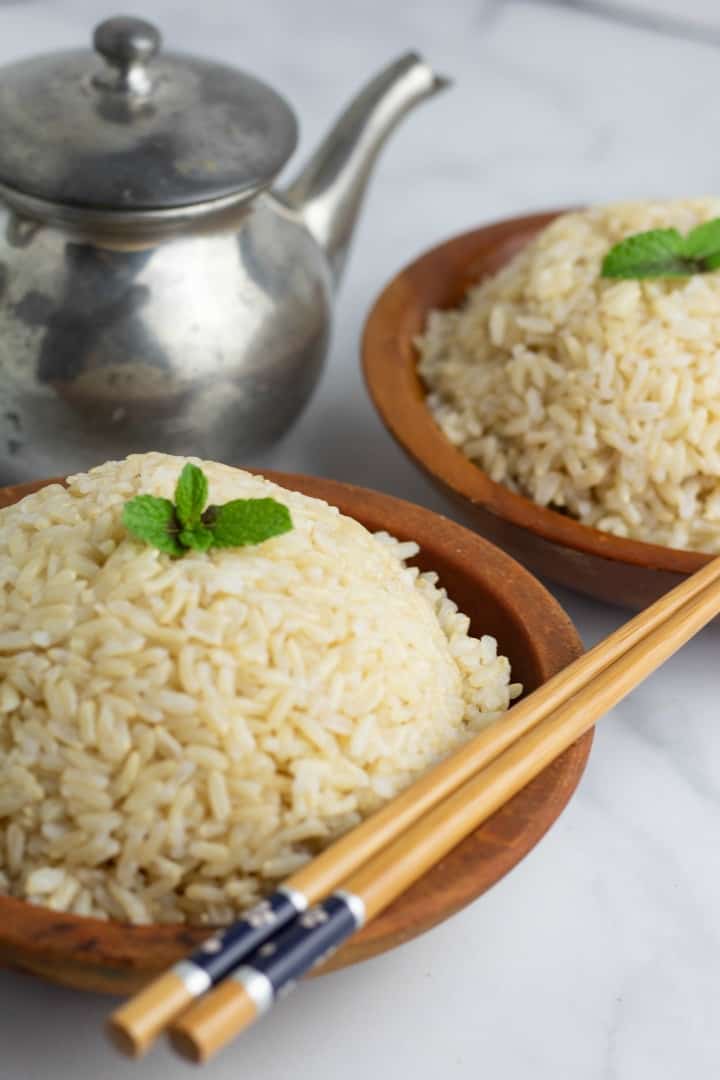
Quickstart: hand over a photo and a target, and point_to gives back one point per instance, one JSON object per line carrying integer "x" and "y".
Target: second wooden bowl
{"x": 501, "y": 599}
{"x": 627, "y": 572}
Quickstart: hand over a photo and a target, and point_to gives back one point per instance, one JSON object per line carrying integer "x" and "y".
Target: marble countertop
{"x": 598, "y": 957}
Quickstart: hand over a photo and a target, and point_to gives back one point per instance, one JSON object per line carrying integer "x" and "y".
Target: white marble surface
{"x": 598, "y": 958}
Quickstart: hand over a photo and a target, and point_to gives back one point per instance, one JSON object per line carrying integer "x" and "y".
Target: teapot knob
{"x": 128, "y": 45}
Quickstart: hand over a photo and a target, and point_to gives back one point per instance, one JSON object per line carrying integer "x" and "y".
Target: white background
{"x": 598, "y": 958}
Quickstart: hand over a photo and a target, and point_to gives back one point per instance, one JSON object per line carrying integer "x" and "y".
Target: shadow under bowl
{"x": 501, "y": 598}
{"x": 631, "y": 573}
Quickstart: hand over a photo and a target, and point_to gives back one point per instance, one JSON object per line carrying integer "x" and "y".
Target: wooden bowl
{"x": 627, "y": 572}
{"x": 502, "y": 599}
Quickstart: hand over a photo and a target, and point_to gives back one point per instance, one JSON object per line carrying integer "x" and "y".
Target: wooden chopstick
{"x": 136, "y": 1024}
{"x": 212, "y": 1022}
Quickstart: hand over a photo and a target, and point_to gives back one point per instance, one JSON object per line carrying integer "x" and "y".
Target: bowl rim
{"x": 44, "y": 939}
{"x": 389, "y": 361}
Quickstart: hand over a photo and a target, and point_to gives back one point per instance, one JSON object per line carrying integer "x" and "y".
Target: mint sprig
{"x": 184, "y": 525}
{"x": 665, "y": 253}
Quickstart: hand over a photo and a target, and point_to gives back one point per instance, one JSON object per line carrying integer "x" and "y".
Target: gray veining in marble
{"x": 598, "y": 958}
{"x": 658, "y": 18}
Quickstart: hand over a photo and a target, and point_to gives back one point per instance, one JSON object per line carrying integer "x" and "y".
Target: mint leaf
{"x": 176, "y": 528}
{"x": 191, "y": 494}
{"x": 199, "y": 537}
{"x": 665, "y": 253}
{"x": 703, "y": 242}
{"x": 153, "y": 520}
{"x": 658, "y": 253}
{"x": 247, "y": 521}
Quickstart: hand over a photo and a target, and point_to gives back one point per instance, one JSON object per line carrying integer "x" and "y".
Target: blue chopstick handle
{"x": 221, "y": 953}
{"x": 273, "y": 969}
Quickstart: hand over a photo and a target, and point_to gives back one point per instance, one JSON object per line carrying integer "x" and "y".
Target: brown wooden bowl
{"x": 627, "y": 572}
{"x": 502, "y": 599}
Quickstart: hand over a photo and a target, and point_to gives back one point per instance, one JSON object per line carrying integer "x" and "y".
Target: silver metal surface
{"x": 128, "y": 45}
{"x": 127, "y": 127}
{"x": 207, "y": 343}
{"x": 195, "y": 979}
{"x": 356, "y": 905}
{"x": 298, "y": 900}
{"x": 200, "y": 329}
{"x": 257, "y": 985}
{"x": 330, "y": 189}
{"x": 96, "y": 225}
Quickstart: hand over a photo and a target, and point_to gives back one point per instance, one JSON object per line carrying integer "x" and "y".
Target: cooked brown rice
{"x": 176, "y": 735}
{"x": 594, "y": 396}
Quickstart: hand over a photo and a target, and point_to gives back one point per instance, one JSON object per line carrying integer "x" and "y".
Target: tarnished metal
{"x": 198, "y": 328}
{"x": 132, "y": 127}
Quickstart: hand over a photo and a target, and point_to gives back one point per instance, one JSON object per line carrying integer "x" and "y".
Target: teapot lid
{"x": 129, "y": 128}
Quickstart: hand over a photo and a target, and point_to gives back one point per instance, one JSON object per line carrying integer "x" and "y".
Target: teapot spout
{"x": 329, "y": 190}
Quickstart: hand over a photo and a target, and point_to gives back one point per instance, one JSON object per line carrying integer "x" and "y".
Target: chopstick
{"x": 136, "y": 1024}
{"x": 273, "y": 969}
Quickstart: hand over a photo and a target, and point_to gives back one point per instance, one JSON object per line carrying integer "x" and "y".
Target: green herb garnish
{"x": 665, "y": 253}
{"x": 186, "y": 524}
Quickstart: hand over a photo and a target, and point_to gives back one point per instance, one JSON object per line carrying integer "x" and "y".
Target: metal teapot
{"x": 153, "y": 292}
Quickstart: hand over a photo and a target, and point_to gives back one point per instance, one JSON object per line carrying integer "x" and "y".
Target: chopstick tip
{"x": 122, "y": 1039}
{"x": 187, "y": 1047}
{"x": 210, "y": 1024}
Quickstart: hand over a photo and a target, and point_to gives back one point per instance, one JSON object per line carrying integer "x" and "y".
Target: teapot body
{"x": 154, "y": 293}
{"x": 208, "y": 341}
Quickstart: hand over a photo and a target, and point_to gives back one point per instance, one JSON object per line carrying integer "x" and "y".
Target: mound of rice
{"x": 176, "y": 735}
{"x": 598, "y": 397}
